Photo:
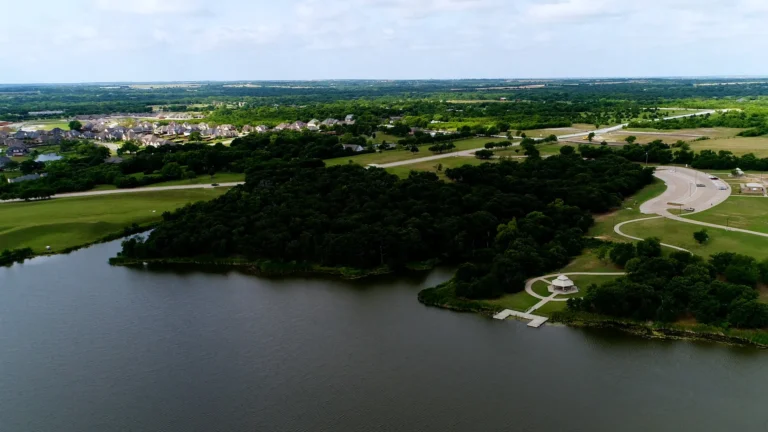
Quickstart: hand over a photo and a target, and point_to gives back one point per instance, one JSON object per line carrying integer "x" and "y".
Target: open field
{"x": 717, "y": 132}
{"x": 45, "y": 124}
{"x": 681, "y": 234}
{"x": 575, "y": 128}
{"x": 400, "y": 155}
{"x": 69, "y": 222}
{"x": 738, "y": 212}
{"x": 737, "y": 145}
{"x": 404, "y": 170}
{"x": 521, "y": 301}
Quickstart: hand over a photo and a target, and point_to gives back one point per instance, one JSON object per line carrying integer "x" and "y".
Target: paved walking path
{"x": 134, "y": 190}
{"x": 618, "y": 231}
{"x": 537, "y": 320}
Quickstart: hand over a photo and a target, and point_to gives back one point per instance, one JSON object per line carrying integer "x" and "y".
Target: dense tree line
{"x": 731, "y": 119}
{"x": 720, "y": 291}
{"x": 680, "y": 153}
{"x": 85, "y": 168}
{"x": 349, "y": 216}
{"x": 10, "y": 256}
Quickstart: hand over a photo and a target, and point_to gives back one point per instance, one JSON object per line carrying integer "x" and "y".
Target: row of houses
{"x": 314, "y": 124}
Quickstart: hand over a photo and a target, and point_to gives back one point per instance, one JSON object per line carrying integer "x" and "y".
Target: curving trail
{"x": 529, "y": 284}
{"x": 618, "y": 231}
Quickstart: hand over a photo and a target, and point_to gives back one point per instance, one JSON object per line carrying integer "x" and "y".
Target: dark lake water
{"x": 85, "y": 347}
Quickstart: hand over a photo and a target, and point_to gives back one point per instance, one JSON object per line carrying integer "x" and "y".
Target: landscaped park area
{"x": 69, "y": 222}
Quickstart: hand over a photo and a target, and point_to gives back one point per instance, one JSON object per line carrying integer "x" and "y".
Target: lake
{"x": 85, "y": 347}
{"x": 48, "y": 157}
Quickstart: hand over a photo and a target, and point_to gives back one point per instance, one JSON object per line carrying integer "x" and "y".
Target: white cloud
{"x": 152, "y": 7}
{"x": 573, "y": 11}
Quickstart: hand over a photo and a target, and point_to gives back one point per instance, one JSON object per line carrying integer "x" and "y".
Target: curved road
{"x": 683, "y": 192}
{"x": 134, "y": 190}
{"x": 471, "y": 152}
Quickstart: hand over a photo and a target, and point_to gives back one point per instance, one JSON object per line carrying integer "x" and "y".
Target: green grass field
{"x": 630, "y": 209}
{"x": 738, "y": 212}
{"x": 69, "y": 222}
{"x": 681, "y": 234}
{"x": 451, "y": 162}
{"x": 401, "y": 155}
{"x": 737, "y": 145}
{"x": 521, "y": 301}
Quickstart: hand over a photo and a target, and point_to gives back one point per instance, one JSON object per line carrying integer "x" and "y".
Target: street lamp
{"x": 646, "y": 159}
{"x": 727, "y": 220}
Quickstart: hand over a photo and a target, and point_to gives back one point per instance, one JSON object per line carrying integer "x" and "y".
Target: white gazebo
{"x": 562, "y": 284}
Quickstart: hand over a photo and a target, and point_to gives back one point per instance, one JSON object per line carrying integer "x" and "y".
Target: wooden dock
{"x": 535, "y": 321}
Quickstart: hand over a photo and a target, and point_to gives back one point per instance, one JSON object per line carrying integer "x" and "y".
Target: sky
{"x": 54, "y": 41}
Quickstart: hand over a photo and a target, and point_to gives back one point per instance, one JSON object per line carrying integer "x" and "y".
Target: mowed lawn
{"x": 681, "y": 234}
{"x": 401, "y": 155}
{"x": 750, "y": 213}
{"x": 737, "y": 145}
{"x": 68, "y": 222}
{"x": 403, "y": 171}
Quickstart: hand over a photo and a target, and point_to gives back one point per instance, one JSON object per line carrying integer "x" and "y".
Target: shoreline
{"x": 271, "y": 268}
{"x": 755, "y": 338}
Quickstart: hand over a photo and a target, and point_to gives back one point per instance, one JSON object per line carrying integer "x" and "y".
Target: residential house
{"x": 281, "y": 126}
{"x": 330, "y": 122}
{"x": 17, "y": 149}
{"x": 354, "y": 147}
{"x": 261, "y": 129}
{"x": 247, "y": 129}
{"x": 297, "y": 126}
{"x": 154, "y": 141}
{"x": 349, "y": 118}
{"x": 113, "y": 160}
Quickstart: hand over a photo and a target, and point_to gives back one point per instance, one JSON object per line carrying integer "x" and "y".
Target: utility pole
{"x": 646, "y": 159}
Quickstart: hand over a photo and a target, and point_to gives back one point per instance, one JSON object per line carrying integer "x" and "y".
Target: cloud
{"x": 153, "y": 7}
{"x": 573, "y": 11}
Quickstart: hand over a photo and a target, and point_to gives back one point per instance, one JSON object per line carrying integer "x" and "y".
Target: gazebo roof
{"x": 562, "y": 281}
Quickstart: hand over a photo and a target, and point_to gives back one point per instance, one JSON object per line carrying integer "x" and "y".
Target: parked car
{"x": 713, "y": 178}
{"x": 689, "y": 209}
{"x": 214, "y": 184}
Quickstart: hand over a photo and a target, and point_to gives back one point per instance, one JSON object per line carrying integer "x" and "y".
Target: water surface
{"x": 88, "y": 347}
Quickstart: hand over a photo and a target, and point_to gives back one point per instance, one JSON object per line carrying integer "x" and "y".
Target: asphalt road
{"x": 135, "y": 190}
{"x": 682, "y": 190}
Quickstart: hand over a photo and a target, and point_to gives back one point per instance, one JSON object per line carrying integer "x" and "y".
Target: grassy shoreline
{"x": 438, "y": 297}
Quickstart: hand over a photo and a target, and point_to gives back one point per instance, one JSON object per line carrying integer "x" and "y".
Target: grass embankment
{"x": 737, "y": 145}
{"x": 630, "y": 209}
{"x": 681, "y": 234}
{"x": 401, "y": 154}
{"x": 657, "y": 330}
{"x": 70, "y": 222}
{"x": 738, "y": 212}
{"x": 403, "y": 171}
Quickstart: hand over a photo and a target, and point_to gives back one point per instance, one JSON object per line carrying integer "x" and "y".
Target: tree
{"x": 172, "y": 170}
{"x": 591, "y": 136}
{"x": 630, "y": 139}
{"x": 701, "y": 236}
{"x": 490, "y": 145}
{"x": 75, "y": 125}
{"x": 484, "y": 154}
{"x": 649, "y": 248}
{"x": 414, "y": 149}
{"x": 530, "y": 150}
{"x": 567, "y": 150}
{"x": 195, "y": 136}
{"x": 30, "y": 166}
{"x": 129, "y": 147}
{"x": 621, "y": 253}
